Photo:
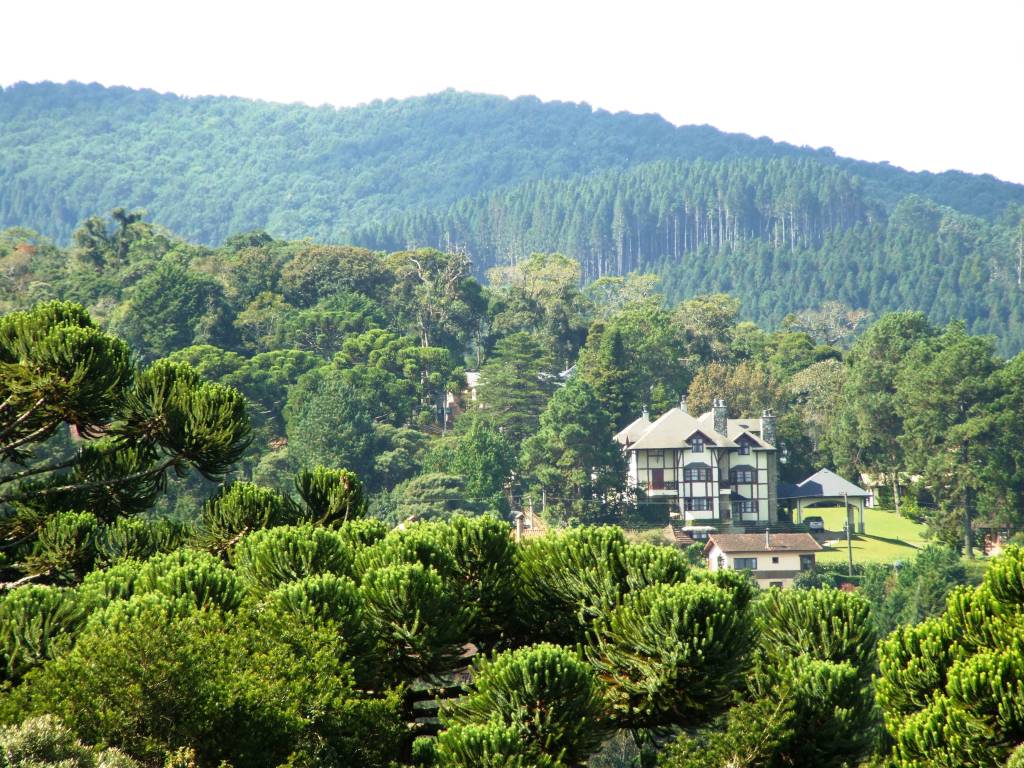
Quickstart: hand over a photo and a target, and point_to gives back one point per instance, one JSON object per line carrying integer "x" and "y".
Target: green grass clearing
{"x": 887, "y": 536}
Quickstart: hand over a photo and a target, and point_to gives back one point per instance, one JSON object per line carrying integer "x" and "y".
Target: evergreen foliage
{"x": 211, "y": 167}
{"x": 34, "y": 622}
{"x": 44, "y": 742}
{"x": 545, "y": 694}
{"x": 573, "y": 457}
{"x": 950, "y": 688}
{"x": 331, "y": 496}
{"x": 323, "y": 598}
{"x": 267, "y": 558}
{"x": 197, "y": 578}
{"x": 418, "y": 627}
{"x": 671, "y": 654}
{"x": 239, "y": 509}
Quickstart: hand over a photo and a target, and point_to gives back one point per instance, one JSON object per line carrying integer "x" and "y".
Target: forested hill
{"x": 213, "y": 166}
{"x": 784, "y": 234}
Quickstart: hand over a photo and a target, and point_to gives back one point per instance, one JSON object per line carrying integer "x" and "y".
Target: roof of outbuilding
{"x": 825, "y": 482}
{"x": 756, "y": 542}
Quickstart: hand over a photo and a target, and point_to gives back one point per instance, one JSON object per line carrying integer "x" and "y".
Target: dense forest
{"x": 501, "y": 178}
{"x": 784, "y": 235}
{"x": 212, "y": 166}
{"x": 251, "y": 516}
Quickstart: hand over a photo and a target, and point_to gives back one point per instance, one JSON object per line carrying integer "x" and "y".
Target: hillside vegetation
{"x": 238, "y": 528}
{"x": 784, "y": 228}
{"x": 782, "y": 234}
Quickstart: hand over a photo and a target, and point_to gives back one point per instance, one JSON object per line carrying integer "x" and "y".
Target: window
{"x": 806, "y": 562}
{"x": 697, "y": 474}
{"x": 743, "y": 476}
{"x": 657, "y": 479}
{"x": 650, "y": 459}
{"x": 697, "y": 445}
{"x": 775, "y": 584}
{"x": 775, "y": 561}
{"x": 745, "y": 448}
{"x": 697, "y": 504}
{"x": 740, "y": 508}
{"x": 745, "y": 563}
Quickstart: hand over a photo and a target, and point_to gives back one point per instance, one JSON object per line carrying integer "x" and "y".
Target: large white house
{"x": 706, "y": 467}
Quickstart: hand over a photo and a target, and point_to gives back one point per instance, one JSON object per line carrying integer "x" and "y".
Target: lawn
{"x": 887, "y": 537}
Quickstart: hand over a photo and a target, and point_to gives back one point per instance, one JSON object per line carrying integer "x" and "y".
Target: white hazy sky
{"x": 925, "y": 85}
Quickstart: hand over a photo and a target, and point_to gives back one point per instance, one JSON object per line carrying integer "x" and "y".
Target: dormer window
{"x": 744, "y": 448}
{"x": 697, "y": 444}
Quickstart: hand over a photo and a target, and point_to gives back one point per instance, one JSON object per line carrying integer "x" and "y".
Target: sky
{"x": 924, "y": 85}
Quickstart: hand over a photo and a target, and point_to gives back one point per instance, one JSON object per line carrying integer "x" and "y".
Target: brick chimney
{"x": 768, "y": 427}
{"x": 721, "y": 414}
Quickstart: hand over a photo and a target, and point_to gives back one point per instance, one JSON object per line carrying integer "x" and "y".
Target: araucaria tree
{"x": 951, "y": 688}
{"x": 80, "y": 428}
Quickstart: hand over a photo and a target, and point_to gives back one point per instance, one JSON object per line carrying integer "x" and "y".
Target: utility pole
{"x": 848, "y": 525}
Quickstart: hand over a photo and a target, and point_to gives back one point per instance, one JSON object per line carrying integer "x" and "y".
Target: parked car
{"x": 814, "y": 523}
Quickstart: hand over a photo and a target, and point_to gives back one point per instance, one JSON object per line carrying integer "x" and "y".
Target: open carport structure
{"x": 824, "y": 488}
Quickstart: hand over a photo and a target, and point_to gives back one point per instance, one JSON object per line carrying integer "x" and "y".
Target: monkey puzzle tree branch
{"x": 153, "y": 472}
{"x": 32, "y": 409}
{"x": 39, "y": 470}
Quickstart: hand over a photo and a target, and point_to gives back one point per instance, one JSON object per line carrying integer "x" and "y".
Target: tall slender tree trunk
{"x": 968, "y": 508}
{"x": 968, "y": 532}
{"x": 1020, "y": 255}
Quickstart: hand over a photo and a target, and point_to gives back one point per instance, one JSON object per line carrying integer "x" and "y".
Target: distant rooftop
{"x": 822, "y": 484}
{"x": 760, "y": 542}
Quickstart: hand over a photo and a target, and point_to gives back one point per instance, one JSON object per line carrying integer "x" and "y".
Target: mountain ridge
{"x": 210, "y": 166}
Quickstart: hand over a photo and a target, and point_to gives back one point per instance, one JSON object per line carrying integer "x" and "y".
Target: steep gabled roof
{"x": 667, "y": 431}
{"x": 735, "y": 432}
{"x": 634, "y": 431}
{"x": 674, "y": 428}
{"x": 707, "y": 425}
{"x": 753, "y": 425}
